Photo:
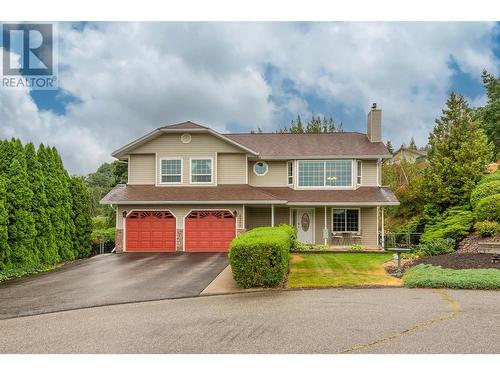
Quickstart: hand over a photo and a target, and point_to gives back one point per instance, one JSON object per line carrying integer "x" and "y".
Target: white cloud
{"x": 131, "y": 78}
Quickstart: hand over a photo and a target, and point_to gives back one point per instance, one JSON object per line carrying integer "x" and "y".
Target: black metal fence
{"x": 401, "y": 240}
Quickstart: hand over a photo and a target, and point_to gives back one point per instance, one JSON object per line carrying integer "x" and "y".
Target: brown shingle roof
{"x": 365, "y": 194}
{"x": 123, "y": 194}
{"x": 311, "y": 145}
{"x": 150, "y": 193}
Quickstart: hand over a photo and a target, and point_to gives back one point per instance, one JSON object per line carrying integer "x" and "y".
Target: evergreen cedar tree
{"x": 458, "y": 154}
{"x": 44, "y": 213}
{"x": 314, "y": 125}
{"x": 489, "y": 115}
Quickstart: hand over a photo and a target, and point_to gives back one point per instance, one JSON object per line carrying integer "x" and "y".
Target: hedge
{"x": 259, "y": 257}
{"x": 488, "y": 208}
{"x": 484, "y": 190}
{"x": 454, "y": 223}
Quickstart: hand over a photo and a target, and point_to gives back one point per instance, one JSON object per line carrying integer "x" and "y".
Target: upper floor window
{"x": 171, "y": 171}
{"x": 201, "y": 171}
{"x": 325, "y": 173}
{"x": 360, "y": 167}
{"x": 260, "y": 168}
{"x": 289, "y": 166}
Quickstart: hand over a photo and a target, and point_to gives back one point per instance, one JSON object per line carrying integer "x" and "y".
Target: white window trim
{"x": 191, "y": 170}
{"x": 345, "y": 210}
{"x": 260, "y": 174}
{"x": 325, "y": 187}
{"x": 182, "y": 171}
{"x": 359, "y": 172}
{"x": 288, "y": 176}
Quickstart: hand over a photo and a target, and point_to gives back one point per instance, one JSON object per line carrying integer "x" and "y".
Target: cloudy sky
{"x": 118, "y": 81}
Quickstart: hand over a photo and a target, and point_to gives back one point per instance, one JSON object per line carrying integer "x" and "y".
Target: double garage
{"x": 204, "y": 230}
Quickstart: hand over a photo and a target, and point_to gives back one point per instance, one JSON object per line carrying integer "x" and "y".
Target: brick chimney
{"x": 374, "y": 124}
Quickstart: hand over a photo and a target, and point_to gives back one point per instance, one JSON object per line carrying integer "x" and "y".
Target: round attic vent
{"x": 186, "y": 138}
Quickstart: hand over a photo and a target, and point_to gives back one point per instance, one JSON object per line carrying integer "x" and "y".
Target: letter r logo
{"x": 33, "y": 43}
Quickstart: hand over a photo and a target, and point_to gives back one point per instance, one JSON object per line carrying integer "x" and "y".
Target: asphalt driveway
{"x": 110, "y": 279}
{"x": 382, "y": 320}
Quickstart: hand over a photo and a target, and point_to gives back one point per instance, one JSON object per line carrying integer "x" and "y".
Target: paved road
{"x": 307, "y": 321}
{"x": 109, "y": 279}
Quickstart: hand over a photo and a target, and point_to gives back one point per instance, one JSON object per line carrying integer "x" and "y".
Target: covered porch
{"x": 335, "y": 226}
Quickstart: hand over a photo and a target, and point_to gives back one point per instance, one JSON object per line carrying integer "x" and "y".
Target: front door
{"x": 305, "y": 225}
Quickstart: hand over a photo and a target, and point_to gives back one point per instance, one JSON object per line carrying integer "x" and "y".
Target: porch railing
{"x": 401, "y": 240}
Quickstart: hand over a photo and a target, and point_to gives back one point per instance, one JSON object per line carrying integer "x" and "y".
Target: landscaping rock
{"x": 470, "y": 243}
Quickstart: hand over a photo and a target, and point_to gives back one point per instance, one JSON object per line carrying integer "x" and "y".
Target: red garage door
{"x": 209, "y": 230}
{"x": 150, "y": 231}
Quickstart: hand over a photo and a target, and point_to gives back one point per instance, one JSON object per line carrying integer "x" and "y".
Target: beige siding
{"x": 276, "y": 175}
{"x": 261, "y": 216}
{"x": 231, "y": 168}
{"x": 369, "y": 232}
{"x": 179, "y": 211}
{"x": 369, "y": 173}
{"x": 201, "y": 145}
{"x": 281, "y": 215}
{"x": 258, "y": 217}
{"x": 141, "y": 170}
{"x": 319, "y": 221}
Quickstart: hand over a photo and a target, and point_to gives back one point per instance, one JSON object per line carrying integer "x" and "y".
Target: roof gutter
{"x": 102, "y": 201}
{"x": 321, "y": 157}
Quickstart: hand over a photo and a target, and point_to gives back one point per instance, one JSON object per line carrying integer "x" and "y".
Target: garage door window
{"x": 201, "y": 171}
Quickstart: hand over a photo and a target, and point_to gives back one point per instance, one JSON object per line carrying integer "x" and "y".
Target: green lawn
{"x": 313, "y": 270}
{"x": 427, "y": 276}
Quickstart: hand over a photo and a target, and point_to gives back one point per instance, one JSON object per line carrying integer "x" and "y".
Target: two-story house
{"x": 191, "y": 188}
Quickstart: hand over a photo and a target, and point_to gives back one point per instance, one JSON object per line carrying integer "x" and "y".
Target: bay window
{"x": 289, "y": 166}
{"x": 325, "y": 173}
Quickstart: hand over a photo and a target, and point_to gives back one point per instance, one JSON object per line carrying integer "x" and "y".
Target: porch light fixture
{"x": 124, "y": 213}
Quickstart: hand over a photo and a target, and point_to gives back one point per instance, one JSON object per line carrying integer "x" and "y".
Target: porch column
{"x": 383, "y": 231}
{"x": 243, "y": 219}
{"x": 325, "y": 230}
{"x": 272, "y": 215}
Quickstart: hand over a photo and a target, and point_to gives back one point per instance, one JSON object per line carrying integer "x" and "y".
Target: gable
{"x": 170, "y": 144}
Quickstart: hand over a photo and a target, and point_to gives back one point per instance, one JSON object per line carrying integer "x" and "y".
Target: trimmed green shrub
{"x": 259, "y": 257}
{"x": 487, "y": 228}
{"x": 292, "y": 232}
{"x": 435, "y": 247}
{"x": 484, "y": 190}
{"x": 454, "y": 223}
{"x": 488, "y": 208}
{"x": 356, "y": 248}
{"x": 427, "y": 276}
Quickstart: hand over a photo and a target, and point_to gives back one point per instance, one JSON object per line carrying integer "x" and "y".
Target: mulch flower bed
{"x": 459, "y": 261}
{"x": 455, "y": 261}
